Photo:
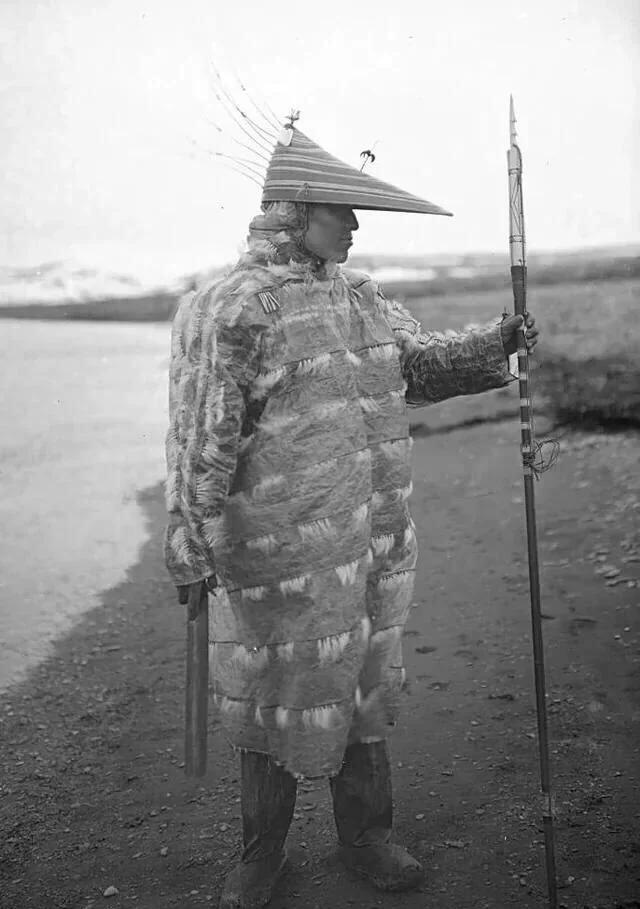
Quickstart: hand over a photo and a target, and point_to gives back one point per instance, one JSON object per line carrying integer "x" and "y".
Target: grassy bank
{"x": 586, "y": 370}
{"x": 498, "y": 278}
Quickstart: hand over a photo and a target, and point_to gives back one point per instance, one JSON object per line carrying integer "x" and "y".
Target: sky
{"x": 109, "y": 119}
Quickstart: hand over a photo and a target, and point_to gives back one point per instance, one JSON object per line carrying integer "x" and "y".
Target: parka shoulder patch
{"x": 268, "y": 300}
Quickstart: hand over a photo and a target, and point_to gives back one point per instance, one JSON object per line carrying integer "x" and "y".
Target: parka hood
{"x": 276, "y": 238}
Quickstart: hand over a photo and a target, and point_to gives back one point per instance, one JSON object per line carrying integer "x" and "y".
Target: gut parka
{"x": 289, "y": 478}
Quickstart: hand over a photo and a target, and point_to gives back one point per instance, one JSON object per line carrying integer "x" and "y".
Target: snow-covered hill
{"x": 63, "y": 282}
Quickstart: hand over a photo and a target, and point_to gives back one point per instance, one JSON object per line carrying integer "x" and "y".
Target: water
{"x": 82, "y": 424}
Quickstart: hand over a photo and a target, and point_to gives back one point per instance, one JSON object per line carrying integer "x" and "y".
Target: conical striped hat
{"x": 302, "y": 171}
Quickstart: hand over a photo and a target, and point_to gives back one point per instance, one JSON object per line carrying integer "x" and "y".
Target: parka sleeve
{"x": 213, "y": 361}
{"x": 439, "y": 365}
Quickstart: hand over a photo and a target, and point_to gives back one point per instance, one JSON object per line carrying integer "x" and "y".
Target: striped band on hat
{"x": 302, "y": 171}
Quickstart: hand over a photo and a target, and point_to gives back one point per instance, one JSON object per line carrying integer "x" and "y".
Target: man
{"x": 288, "y": 480}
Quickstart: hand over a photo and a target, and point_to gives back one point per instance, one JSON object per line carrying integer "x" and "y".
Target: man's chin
{"x": 338, "y": 256}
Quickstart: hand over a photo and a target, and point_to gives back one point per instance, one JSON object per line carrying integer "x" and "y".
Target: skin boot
{"x": 363, "y": 812}
{"x": 268, "y": 800}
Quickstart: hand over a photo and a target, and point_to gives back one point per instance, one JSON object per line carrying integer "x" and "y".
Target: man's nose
{"x": 353, "y": 222}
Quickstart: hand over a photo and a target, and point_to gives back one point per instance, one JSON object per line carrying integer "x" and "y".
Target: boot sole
{"x": 235, "y": 900}
{"x": 410, "y": 881}
{"x": 388, "y": 886}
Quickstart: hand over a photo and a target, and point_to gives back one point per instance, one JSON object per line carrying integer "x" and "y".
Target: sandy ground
{"x": 94, "y": 795}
